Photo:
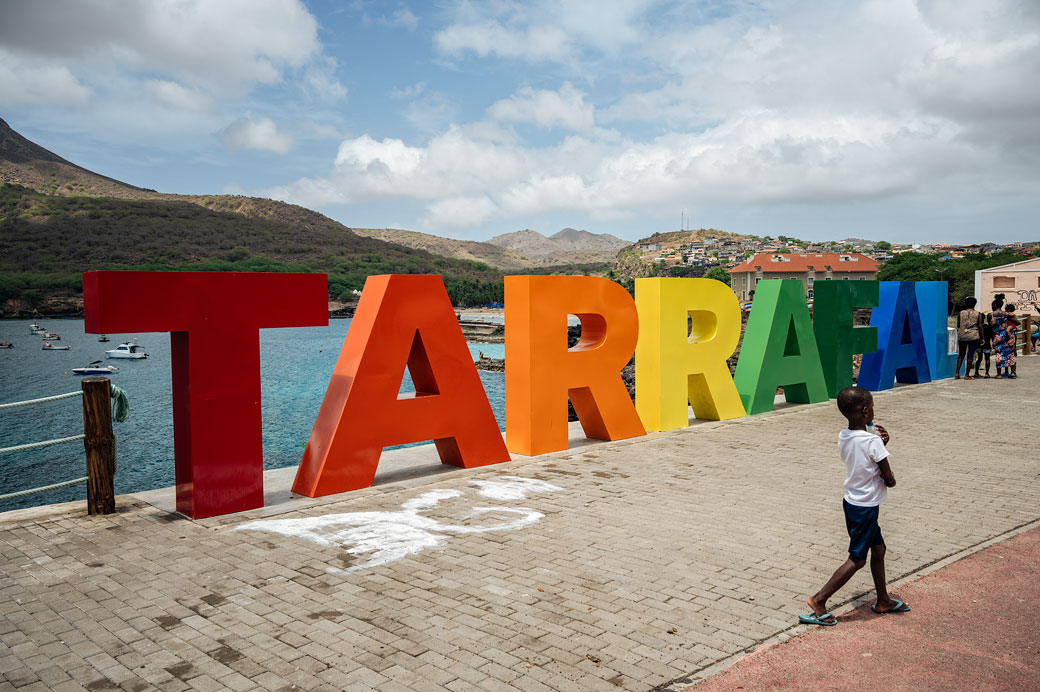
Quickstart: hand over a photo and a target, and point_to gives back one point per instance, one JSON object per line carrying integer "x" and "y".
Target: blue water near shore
{"x": 295, "y": 367}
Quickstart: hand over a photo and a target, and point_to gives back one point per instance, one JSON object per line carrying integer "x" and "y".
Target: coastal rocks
{"x": 483, "y": 332}
{"x": 49, "y": 306}
{"x": 340, "y": 309}
{"x": 490, "y": 364}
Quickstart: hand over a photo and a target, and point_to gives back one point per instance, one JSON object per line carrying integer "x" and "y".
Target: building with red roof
{"x": 808, "y": 268}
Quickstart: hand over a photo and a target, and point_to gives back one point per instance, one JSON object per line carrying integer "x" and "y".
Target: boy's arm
{"x": 886, "y": 473}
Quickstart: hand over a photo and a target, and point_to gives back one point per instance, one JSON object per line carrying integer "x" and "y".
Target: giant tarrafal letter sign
{"x": 837, "y": 338}
{"x": 219, "y": 460}
{"x": 779, "y": 349}
{"x": 902, "y": 351}
{"x": 932, "y": 297}
{"x": 542, "y": 372}
{"x": 399, "y": 320}
{"x": 686, "y": 330}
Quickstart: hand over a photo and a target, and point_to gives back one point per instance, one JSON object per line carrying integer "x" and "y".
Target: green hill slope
{"x": 46, "y": 241}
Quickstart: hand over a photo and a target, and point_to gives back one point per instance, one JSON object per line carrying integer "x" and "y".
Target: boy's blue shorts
{"x": 862, "y": 523}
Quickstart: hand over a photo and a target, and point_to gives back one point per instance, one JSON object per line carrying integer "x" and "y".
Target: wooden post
{"x": 1027, "y": 343}
{"x": 97, "y": 426}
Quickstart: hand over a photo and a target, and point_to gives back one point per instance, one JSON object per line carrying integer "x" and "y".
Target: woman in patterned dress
{"x": 1005, "y": 338}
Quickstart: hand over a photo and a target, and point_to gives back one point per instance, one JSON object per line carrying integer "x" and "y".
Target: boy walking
{"x": 866, "y": 487}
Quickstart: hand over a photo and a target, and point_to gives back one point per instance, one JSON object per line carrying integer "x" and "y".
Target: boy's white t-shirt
{"x": 861, "y": 451}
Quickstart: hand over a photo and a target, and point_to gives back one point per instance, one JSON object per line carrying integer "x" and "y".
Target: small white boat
{"x": 51, "y": 335}
{"x": 96, "y": 368}
{"x": 35, "y": 328}
{"x": 103, "y": 338}
{"x": 128, "y": 349}
{"x": 48, "y": 346}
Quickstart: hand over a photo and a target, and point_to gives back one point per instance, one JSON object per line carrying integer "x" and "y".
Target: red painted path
{"x": 974, "y": 625}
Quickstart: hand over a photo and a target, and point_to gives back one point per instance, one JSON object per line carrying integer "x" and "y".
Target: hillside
{"x": 27, "y": 163}
{"x": 47, "y": 241}
{"x": 632, "y": 263}
{"x": 502, "y": 258}
{"x": 579, "y": 241}
{"x": 58, "y": 220}
{"x": 567, "y": 246}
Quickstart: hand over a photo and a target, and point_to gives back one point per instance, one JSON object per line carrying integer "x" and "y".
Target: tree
{"x": 882, "y": 245}
{"x": 717, "y": 273}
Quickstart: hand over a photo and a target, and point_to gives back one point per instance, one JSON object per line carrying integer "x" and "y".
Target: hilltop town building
{"x": 808, "y": 268}
{"x": 1019, "y": 282}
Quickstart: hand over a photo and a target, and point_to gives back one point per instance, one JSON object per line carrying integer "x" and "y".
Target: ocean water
{"x": 295, "y": 366}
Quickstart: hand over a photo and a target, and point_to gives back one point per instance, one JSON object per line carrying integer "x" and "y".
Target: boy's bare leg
{"x": 877, "y": 571}
{"x": 818, "y": 601}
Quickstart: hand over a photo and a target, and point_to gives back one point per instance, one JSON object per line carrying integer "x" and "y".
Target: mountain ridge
{"x": 569, "y": 240}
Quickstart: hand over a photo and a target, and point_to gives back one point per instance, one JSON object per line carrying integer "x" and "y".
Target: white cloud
{"x": 177, "y": 96}
{"x": 311, "y": 129}
{"x": 190, "y": 56}
{"x": 755, "y": 156}
{"x": 800, "y": 102}
{"x": 408, "y": 92}
{"x": 404, "y": 18}
{"x": 233, "y": 44}
{"x": 544, "y": 30}
{"x": 255, "y": 133}
{"x": 565, "y": 108}
{"x": 431, "y": 113}
{"x": 321, "y": 83}
{"x": 29, "y": 81}
{"x": 460, "y": 212}
{"x": 533, "y": 43}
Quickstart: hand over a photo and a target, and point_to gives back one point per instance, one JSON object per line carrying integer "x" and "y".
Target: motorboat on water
{"x": 96, "y": 368}
{"x": 103, "y": 338}
{"x": 127, "y": 349}
{"x": 48, "y": 346}
{"x": 6, "y": 344}
{"x": 51, "y": 335}
{"x": 35, "y": 328}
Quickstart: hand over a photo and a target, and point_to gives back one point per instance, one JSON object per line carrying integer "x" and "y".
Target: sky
{"x": 819, "y": 119}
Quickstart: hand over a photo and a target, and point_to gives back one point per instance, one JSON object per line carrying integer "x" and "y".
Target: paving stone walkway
{"x": 636, "y": 565}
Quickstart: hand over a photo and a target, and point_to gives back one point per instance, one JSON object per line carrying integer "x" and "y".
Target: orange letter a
{"x": 399, "y": 319}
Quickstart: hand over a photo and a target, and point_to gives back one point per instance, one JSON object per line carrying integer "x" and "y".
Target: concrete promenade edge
{"x": 641, "y": 564}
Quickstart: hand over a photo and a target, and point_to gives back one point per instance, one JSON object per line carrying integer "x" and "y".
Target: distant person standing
{"x": 1005, "y": 337}
{"x": 985, "y": 345}
{"x": 969, "y": 333}
{"x": 1035, "y": 336}
{"x": 1012, "y": 333}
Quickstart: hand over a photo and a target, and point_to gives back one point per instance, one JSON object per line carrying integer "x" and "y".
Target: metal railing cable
{"x": 120, "y": 414}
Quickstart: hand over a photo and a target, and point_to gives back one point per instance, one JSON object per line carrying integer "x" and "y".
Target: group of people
{"x": 981, "y": 335}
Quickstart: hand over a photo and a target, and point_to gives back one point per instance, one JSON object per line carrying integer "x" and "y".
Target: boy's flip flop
{"x": 899, "y": 607}
{"x": 814, "y": 619}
